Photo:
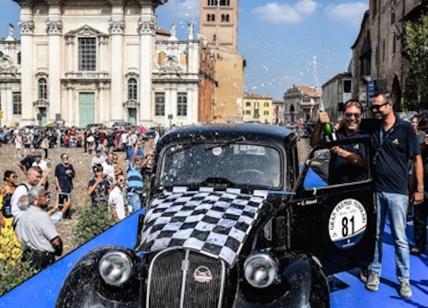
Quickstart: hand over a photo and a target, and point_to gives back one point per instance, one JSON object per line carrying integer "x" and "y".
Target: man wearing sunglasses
{"x": 347, "y": 163}
{"x": 396, "y": 144}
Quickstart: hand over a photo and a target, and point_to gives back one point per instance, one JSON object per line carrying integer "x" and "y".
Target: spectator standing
{"x": 18, "y": 144}
{"x": 64, "y": 175}
{"x": 420, "y": 214}
{"x": 98, "y": 187}
{"x": 137, "y": 148}
{"x": 34, "y": 176}
{"x": 118, "y": 168}
{"x": 44, "y": 145}
{"x": 99, "y": 157}
{"x": 44, "y": 167}
{"x": 28, "y": 161}
{"x": 124, "y": 141}
{"x": 108, "y": 168}
{"x": 135, "y": 181}
{"x": 6, "y": 194}
{"x": 116, "y": 200}
{"x": 7, "y": 234}
{"x": 397, "y": 144}
{"x": 37, "y": 232}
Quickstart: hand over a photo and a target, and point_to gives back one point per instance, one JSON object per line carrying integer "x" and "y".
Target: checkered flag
{"x": 214, "y": 222}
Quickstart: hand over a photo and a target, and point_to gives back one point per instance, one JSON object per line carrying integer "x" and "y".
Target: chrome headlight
{"x": 115, "y": 268}
{"x": 260, "y": 270}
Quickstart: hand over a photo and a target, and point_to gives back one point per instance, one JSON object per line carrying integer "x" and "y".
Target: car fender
{"x": 305, "y": 283}
{"x": 84, "y": 286}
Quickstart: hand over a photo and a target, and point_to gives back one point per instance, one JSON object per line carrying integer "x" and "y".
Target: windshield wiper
{"x": 225, "y": 144}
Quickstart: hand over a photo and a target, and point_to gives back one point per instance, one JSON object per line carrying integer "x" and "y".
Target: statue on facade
{"x": 6, "y": 64}
{"x": 173, "y": 32}
{"x": 190, "y": 30}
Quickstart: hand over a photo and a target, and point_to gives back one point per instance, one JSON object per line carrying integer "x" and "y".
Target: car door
{"x": 335, "y": 222}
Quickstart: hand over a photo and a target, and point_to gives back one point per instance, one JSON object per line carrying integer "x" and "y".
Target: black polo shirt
{"x": 393, "y": 151}
{"x": 342, "y": 171}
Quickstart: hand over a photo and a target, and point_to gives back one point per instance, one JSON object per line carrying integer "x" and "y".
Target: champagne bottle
{"x": 329, "y": 133}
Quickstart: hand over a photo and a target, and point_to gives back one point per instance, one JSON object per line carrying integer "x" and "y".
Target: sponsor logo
{"x": 202, "y": 274}
{"x": 347, "y": 223}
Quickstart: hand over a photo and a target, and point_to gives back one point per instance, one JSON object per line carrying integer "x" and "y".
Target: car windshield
{"x": 236, "y": 164}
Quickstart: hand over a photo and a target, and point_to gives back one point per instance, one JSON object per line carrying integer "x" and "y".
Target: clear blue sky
{"x": 278, "y": 38}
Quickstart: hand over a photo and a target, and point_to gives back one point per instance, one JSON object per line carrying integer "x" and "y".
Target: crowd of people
{"x": 30, "y": 210}
{"x": 400, "y": 164}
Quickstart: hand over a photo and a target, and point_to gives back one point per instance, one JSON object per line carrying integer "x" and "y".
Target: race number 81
{"x": 347, "y": 223}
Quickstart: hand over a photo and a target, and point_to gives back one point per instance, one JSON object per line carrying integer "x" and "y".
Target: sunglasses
{"x": 356, "y": 115}
{"x": 377, "y": 107}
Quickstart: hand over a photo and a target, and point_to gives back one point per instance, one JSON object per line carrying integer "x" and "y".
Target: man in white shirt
{"x": 44, "y": 166}
{"x": 36, "y": 231}
{"x": 116, "y": 199}
{"x": 34, "y": 176}
{"x": 108, "y": 167}
{"x": 99, "y": 158}
{"x": 39, "y": 162}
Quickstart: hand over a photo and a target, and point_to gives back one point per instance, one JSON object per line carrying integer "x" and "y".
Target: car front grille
{"x": 182, "y": 278}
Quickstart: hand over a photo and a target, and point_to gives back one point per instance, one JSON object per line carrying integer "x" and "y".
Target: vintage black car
{"x": 232, "y": 222}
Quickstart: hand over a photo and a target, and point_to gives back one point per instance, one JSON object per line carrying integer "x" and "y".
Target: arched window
{"x": 132, "y": 89}
{"x": 227, "y": 18}
{"x": 212, "y": 17}
{"x": 43, "y": 89}
{"x": 208, "y": 17}
{"x": 18, "y": 58}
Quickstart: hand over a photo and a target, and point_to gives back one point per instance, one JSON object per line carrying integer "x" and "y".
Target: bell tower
{"x": 219, "y": 23}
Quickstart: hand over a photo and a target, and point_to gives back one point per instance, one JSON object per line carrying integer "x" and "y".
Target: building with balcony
{"x": 98, "y": 62}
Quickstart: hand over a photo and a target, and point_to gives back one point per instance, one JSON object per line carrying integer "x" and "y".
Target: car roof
{"x": 250, "y": 131}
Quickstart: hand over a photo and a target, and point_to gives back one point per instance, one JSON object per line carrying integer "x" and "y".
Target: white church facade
{"x": 97, "y": 61}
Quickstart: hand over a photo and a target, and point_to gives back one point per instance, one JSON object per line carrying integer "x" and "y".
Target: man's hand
{"x": 417, "y": 198}
{"x": 324, "y": 118}
{"x": 335, "y": 150}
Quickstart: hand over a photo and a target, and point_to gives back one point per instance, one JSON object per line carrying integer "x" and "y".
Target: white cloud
{"x": 306, "y": 7}
{"x": 286, "y": 13}
{"x": 351, "y": 12}
{"x": 183, "y": 9}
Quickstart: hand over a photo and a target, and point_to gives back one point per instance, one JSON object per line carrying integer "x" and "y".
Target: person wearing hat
{"x": 98, "y": 158}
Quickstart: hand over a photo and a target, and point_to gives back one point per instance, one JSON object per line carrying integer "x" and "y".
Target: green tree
{"x": 416, "y": 75}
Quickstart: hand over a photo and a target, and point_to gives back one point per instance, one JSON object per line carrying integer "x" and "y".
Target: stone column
{"x": 146, "y": 30}
{"x": 116, "y": 29}
{"x": 54, "y": 31}
{"x": 26, "y": 25}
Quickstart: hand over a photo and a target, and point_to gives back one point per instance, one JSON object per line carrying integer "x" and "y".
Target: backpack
{"x": 6, "y": 206}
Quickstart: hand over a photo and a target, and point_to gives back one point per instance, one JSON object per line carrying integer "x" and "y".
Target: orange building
{"x": 207, "y": 84}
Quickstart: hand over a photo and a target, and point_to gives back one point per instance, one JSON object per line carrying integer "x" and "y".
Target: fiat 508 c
{"x": 232, "y": 221}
